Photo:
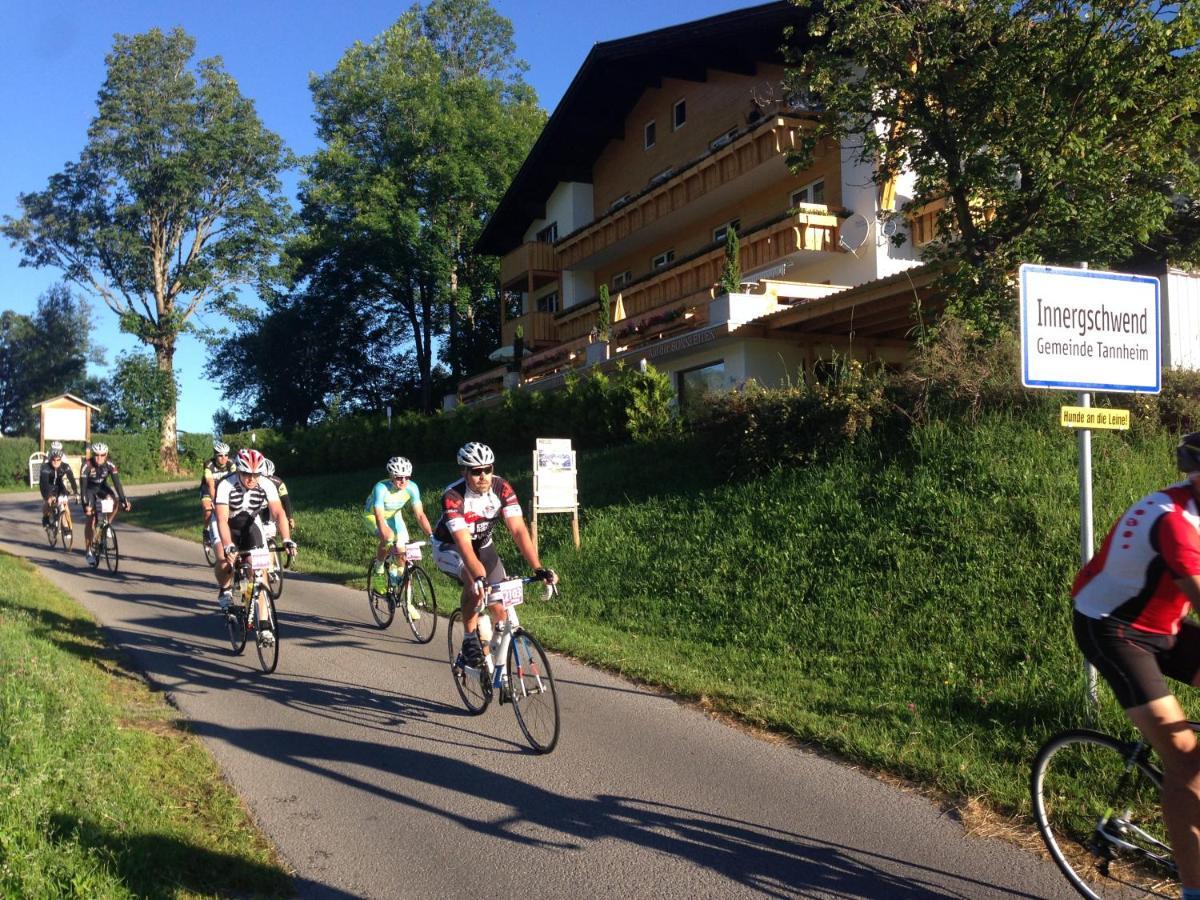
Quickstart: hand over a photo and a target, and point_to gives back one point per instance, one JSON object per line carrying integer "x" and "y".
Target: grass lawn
{"x": 102, "y": 792}
{"x": 903, "y": 603}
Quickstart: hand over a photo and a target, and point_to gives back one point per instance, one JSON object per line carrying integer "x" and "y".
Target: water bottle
{"x": 484, "y": 628}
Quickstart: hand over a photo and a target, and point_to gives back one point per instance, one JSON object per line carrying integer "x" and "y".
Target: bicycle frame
{"x": 497, "y": 660}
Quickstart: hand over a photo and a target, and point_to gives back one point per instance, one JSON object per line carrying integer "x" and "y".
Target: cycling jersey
{"x": 93, "y": 481}
{"x": 391, "y": 500}
{"x": 284, "y": 498}
{"x": 464, "y": 509}
{"x": 53, "y": 482}
{"x": 243, "y": 500}
{"x": 1132, "y": 578}
{"x": 214, "y": 471}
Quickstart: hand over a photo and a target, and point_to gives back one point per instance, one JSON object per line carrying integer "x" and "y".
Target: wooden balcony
{"x": 528, "y": 267}
{"x": 538, "y": 329}
{"x": 761, "y": 247}
{"x": 768, "y": 142}
{"x": 482, "y": 385}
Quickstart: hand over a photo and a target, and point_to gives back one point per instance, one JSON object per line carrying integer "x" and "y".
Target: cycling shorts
{"x": 394, "y": 522}
{"x": 449, "y": 560}
{"x": 1133, "y": 662}
{"x": 246, "y": 531}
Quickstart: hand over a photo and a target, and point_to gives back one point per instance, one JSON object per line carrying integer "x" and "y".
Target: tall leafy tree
{"x": 424, "y": 128}
{"x": 1056, "y": 130}
{"x": 142, "y": 394}
{"x": 42, "y": 355}
{"x": 174, "y": 201}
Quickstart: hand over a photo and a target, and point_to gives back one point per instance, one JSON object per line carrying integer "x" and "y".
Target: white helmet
{"x": 220, "y": 448}
{"x": 249, "y": 461}
{"x": 99, "y": 448}
{"x": 399, "y": 467}
{"x": 268, "y": 467}
{"x": 475, "y": 454}
{"x": 56, "y": 445}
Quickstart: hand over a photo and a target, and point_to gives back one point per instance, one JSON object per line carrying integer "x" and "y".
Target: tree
{"x": 731, "y": 272}
{"x": 604, "y": 315}
{"x": 143, "y": 394}
{"x": 1055, "y": 130}
{"x": 174, "y": 201}
{"x": 43, "y": 355}
{"x": 424, "y": 128}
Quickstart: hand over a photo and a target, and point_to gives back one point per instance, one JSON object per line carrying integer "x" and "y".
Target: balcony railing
{"x": 531, "y": 265}
{"x": 538, "y": 329}
{"x": 761, "y": 247}
{"x": 767, "y": 142}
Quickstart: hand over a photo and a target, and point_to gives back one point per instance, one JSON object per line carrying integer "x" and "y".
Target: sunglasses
{"x": 479, "y": 470}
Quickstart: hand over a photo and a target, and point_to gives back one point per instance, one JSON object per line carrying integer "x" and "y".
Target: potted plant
{"x": 597, "y": 350}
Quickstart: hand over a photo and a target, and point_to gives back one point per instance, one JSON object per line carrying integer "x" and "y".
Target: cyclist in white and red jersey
{"x": 462, "y": 539}
{"x": 1131, "y": 601}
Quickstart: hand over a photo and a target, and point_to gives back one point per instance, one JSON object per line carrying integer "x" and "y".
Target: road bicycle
{"x": 104, "y": 536}
{"x": 59, "y": 527}
{"x": 516, "y": 668}
{"x": 1096, "y": 801}
{"x": 408, "y": 588}
{"x": 250, "y": 593}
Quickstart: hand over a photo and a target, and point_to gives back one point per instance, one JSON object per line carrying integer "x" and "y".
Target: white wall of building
{"x": 569, "y": 204}
{"x": 1181, "y": 319}
{"x": 577, "y": 286}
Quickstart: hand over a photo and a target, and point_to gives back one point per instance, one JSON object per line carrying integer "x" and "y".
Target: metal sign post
{"x": 1089, "y": 331}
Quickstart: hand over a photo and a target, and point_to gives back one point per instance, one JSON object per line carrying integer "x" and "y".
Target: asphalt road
{"x": 358, "y": 760}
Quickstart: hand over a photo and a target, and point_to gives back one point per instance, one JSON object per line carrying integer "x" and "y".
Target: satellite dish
{"x": 854, "y": 231}
{"x": 888, "y": 228}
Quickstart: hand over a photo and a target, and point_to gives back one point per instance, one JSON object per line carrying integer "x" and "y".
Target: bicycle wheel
{"x": 275, "y": 575}
{"x": 209, "y": 556}
{"x": 65, "y": 533}
{"x": 235, "y": 623}
{"x": 1098, "y": 811}
{"x": 531, "y": 691}
{"x": 52, "y": 529}
{"x": 381, "y": 600}
{"x": 473, "y": 685}
{"x": 420, "y": 607}
{"x": 268, "y": 650}
{"x": 112, "y": 555}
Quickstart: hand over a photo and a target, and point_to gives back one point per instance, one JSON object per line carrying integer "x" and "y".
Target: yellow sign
{"x": 1094, "y": 417}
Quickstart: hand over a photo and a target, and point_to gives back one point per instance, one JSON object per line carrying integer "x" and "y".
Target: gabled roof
{"x": 67, "y": 397}
{"x": 612, "y": 78}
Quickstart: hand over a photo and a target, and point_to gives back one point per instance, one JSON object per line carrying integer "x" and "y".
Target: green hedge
{"x": 595, "y": 410}
{"x": 14, "y": 460}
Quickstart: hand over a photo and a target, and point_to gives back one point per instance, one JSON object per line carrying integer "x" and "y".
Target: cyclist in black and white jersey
{"x": 239, "y": 500}
{"x": 463, "y": 547}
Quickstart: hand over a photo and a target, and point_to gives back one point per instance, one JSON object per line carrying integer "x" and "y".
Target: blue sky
{"x": 52, "y": 64}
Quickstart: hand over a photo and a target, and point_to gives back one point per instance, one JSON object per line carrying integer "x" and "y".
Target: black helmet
{"x": 1187, "y": 454}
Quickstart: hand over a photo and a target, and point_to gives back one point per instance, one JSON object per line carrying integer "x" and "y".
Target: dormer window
{"x": 678, "y": 115}
{"x": 649, "y": 134}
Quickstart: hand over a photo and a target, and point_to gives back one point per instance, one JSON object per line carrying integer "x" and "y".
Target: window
{"x": 678, "y": 114}
{"x": 663, "y": 259}
{"x": 649, "y": 134}
{"x": 722, "y": 231}
{"x": 621, "y": 279}
{"x": 548, "y": 302}
{"x": 693, "y": 384}
{"x": 810, "y": 193}
{"x": 549, "y": 234}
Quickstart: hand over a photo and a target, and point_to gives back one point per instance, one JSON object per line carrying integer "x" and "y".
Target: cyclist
{"x": 94, "y": 474}
{"x": 239, "y": 499}
{"x": 216, "y": 468}
{"x": 463, "y": 547}
{"x": 1131, "y": 601}
{"x": 381, "y": 512}
{"x": 285, "y": 499}
{"x": 53, "y": 478}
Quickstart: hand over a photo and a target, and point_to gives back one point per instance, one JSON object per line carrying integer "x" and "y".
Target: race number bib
{"x": 510, "y": 593}
{"x": 107, "y": 504}
{"x": 260, "y": 558}
{"x": 412, "y": 552}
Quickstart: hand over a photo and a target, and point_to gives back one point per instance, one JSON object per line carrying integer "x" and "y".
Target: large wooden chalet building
{"x": 661, "y": 143}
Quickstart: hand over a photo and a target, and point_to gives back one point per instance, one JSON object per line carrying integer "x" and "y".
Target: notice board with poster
{"x": 554, "y": 483}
